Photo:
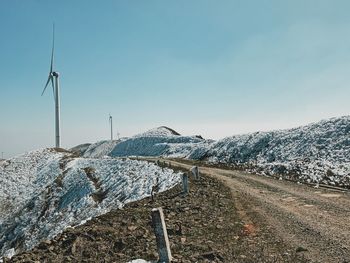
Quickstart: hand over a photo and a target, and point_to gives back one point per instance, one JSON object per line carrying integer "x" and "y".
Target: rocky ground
{"x": 312, "y": 220}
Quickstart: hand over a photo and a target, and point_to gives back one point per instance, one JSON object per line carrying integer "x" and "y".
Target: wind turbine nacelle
{"x": 55, "y": 74}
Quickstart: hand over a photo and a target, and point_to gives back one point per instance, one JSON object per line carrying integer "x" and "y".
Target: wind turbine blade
{"x": 47, "y": 82}
{"x": 53, "y": 47}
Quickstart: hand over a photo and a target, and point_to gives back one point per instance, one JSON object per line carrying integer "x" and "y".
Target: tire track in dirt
{"x": 304, "y": 217}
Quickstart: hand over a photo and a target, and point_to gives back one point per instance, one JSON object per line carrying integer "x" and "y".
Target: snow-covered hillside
{"x": 100, "y": 149}
{"x": 161, "y": 141}
{"x": 45, "y": 191}
{"x": 318, "y": 152}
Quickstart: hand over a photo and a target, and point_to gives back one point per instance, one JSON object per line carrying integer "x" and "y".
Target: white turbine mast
{"x": 53, "y": 78}
{"x": 111, "y": 125}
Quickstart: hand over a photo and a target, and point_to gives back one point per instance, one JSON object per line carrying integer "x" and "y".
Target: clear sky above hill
{"x": 214, "y": 68}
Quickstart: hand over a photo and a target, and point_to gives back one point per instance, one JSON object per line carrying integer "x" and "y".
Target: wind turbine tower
{"x": 53, "y": 78}
{"x": 111, "y": 124}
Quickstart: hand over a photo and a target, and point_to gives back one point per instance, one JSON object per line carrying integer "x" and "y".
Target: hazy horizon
{"x": 201, "y": 67}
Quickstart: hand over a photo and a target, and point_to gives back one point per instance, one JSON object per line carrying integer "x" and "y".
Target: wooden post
{"x": 185, "y": 183}
{"x": 160, "y": 231}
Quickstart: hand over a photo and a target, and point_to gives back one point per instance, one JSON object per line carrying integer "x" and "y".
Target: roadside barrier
{"x": 195, "y": 172}
{"x": 185, "y": 183}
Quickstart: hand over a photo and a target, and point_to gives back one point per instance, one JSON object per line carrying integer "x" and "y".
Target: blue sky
{"x": 214, "y": 68}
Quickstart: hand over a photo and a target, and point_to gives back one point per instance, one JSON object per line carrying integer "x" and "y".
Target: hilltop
{"x": 161, "y": 141}
{"x": 159, "y": 131}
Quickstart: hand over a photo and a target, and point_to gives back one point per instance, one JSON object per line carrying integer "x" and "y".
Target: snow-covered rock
{"x": 45, "y": 191}
{"x": 23, "y": 176}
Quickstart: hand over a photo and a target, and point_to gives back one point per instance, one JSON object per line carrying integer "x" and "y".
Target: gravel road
{"x": 315, "y": 222}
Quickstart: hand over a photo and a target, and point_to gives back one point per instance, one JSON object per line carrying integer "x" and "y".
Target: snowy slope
{"x": 43, "y": 192}
{"x": 100, "y": 149}
{"x": 161, "y": 141}
{"x": 318, "y": 152}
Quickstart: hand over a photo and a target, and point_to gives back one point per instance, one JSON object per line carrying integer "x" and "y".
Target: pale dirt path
{"x": 303, "y": 217}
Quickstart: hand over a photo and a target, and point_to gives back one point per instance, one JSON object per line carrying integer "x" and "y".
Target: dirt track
{"x": 316, "y": 221}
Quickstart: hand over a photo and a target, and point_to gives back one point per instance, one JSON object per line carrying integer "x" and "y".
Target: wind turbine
{"x": 111, "y": 123}
{"x": 53, "y": 78}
